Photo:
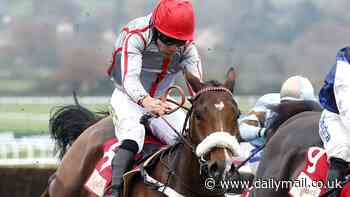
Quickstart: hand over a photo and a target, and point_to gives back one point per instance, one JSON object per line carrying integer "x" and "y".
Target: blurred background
{"x": 49, "y": 48}
{"x": 53, "y": 47}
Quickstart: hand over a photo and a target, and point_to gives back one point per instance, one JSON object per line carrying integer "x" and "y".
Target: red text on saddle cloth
{"x": 312, "y": 179}
{"x": 101, "y": 177}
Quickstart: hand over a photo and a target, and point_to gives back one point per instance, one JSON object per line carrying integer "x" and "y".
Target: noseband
{"x": 215, "y": 139}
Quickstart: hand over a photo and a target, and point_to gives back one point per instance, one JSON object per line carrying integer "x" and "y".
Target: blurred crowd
{"x": 58, "y": 46}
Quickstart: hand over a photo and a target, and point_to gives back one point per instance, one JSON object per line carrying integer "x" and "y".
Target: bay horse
{"x": 206, "y": 150}
{"x": 284, "y": 154}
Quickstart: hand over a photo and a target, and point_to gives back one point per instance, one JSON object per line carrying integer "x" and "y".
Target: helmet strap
{"x": 155, "y": 34}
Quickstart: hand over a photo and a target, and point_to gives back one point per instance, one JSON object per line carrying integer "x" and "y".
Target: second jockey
{"x": 335, "y": 119}
{"x": 253, "y": 126}
{"x": 149, "y": 52}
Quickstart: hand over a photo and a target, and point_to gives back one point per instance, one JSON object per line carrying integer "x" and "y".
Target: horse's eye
{"x": 198, "y": 116}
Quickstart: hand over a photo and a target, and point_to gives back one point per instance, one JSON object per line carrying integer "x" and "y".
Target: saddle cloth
{"x": 101, "y": 178}
{"x": 311, "y": 180}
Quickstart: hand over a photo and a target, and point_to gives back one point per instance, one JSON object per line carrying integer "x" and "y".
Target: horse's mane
{"x": 287, "y": 109}
{"x": 72, "y": 118}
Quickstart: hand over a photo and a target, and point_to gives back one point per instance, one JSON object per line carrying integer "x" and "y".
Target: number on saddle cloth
{"x": 314, "y": 175}
{"x": 100, "y": 179}
{"x": 315, "y": 170}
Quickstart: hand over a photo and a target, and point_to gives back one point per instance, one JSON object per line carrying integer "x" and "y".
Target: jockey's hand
{"x": 155, "y": 106}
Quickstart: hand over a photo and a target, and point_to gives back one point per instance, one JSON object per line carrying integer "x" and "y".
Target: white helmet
{"x": 297, "y": 88}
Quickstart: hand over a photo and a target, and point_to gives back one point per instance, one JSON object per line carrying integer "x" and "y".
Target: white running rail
{"x": 38, "y": 151}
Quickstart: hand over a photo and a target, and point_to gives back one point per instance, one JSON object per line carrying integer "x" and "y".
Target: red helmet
{"x": 175, "y": 18}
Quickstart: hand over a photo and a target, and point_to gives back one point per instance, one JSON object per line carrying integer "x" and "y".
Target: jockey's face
{"x": 165, "y": 50}
{"x": 168, "y": 46}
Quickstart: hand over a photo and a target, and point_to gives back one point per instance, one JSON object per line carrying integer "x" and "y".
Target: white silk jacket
{"x": 139, "y": 69}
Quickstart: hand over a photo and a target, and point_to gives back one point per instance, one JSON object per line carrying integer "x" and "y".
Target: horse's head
{"x": 213, "y": 125}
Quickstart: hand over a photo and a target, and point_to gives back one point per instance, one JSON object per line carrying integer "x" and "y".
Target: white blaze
{"x": 220, "y": 106}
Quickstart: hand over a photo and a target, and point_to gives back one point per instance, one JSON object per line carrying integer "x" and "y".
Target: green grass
{"x": 16, "y": 85}
{"x": 23, "y": 127}
{"x": 30, "y": 118}
{"x": 24, "y": 119}
{"x": 26, "y": 108}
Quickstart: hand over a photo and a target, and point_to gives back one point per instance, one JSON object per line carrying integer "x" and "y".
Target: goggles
{"x": 170, "y": 41}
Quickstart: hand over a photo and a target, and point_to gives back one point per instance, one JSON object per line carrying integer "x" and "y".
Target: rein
{"x": 185, "y": 129}
{"x": 185, "y": 139}
{"x": 250, "y": 156}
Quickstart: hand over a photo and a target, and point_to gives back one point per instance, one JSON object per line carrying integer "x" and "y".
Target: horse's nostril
{"x": 233, "y": 169}
{"x": 213, "y": 169}
{"x": 217, "y": 169}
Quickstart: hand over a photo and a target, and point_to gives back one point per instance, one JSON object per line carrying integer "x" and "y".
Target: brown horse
{"x": 85, "y": 148}
{"x": 284, "y": 153}
{"x": 208, "y": 146}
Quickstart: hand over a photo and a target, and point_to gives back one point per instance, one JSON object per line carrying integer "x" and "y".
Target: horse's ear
{"x": 230, "y": 79}
{"x": 193, "y": 81}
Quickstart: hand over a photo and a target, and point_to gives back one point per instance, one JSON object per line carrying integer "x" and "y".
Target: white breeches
{"x": 335, "y": 136}
{"x": 126, "y": 119}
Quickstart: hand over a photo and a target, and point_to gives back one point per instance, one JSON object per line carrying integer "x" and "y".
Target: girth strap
{"x": 156, "y": 185}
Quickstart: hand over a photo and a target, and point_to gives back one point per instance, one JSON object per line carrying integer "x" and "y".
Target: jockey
{"x": 253, "y": 126}
{"x": 335, "y": 119}
{"x": 149, "y": 52}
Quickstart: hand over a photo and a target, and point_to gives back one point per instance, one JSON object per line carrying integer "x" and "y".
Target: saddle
{"x": 101, "y": 178}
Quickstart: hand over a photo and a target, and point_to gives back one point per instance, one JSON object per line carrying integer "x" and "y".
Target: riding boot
{"x": 121, "y": 163}
{"x": 336, "y": 173}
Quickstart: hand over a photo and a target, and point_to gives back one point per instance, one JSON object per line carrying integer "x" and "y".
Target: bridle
{"x": 185, "y": 137}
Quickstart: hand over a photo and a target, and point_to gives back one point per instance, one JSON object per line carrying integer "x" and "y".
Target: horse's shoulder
{"x": 302, "y": 117}
{"x": 284, "y": 154}
{"x": 294, "y": 107}
{"x": 287, "y": 111}
{"x": 302, "y": 129}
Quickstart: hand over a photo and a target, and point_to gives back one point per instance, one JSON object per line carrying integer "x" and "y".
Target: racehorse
{"x": 284, "y": 153}
{"x": 206, "y": 150}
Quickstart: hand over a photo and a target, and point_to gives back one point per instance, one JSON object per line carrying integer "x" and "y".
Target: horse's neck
{"x": 188, "y": 180}
{"x": 186, "y": 163}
